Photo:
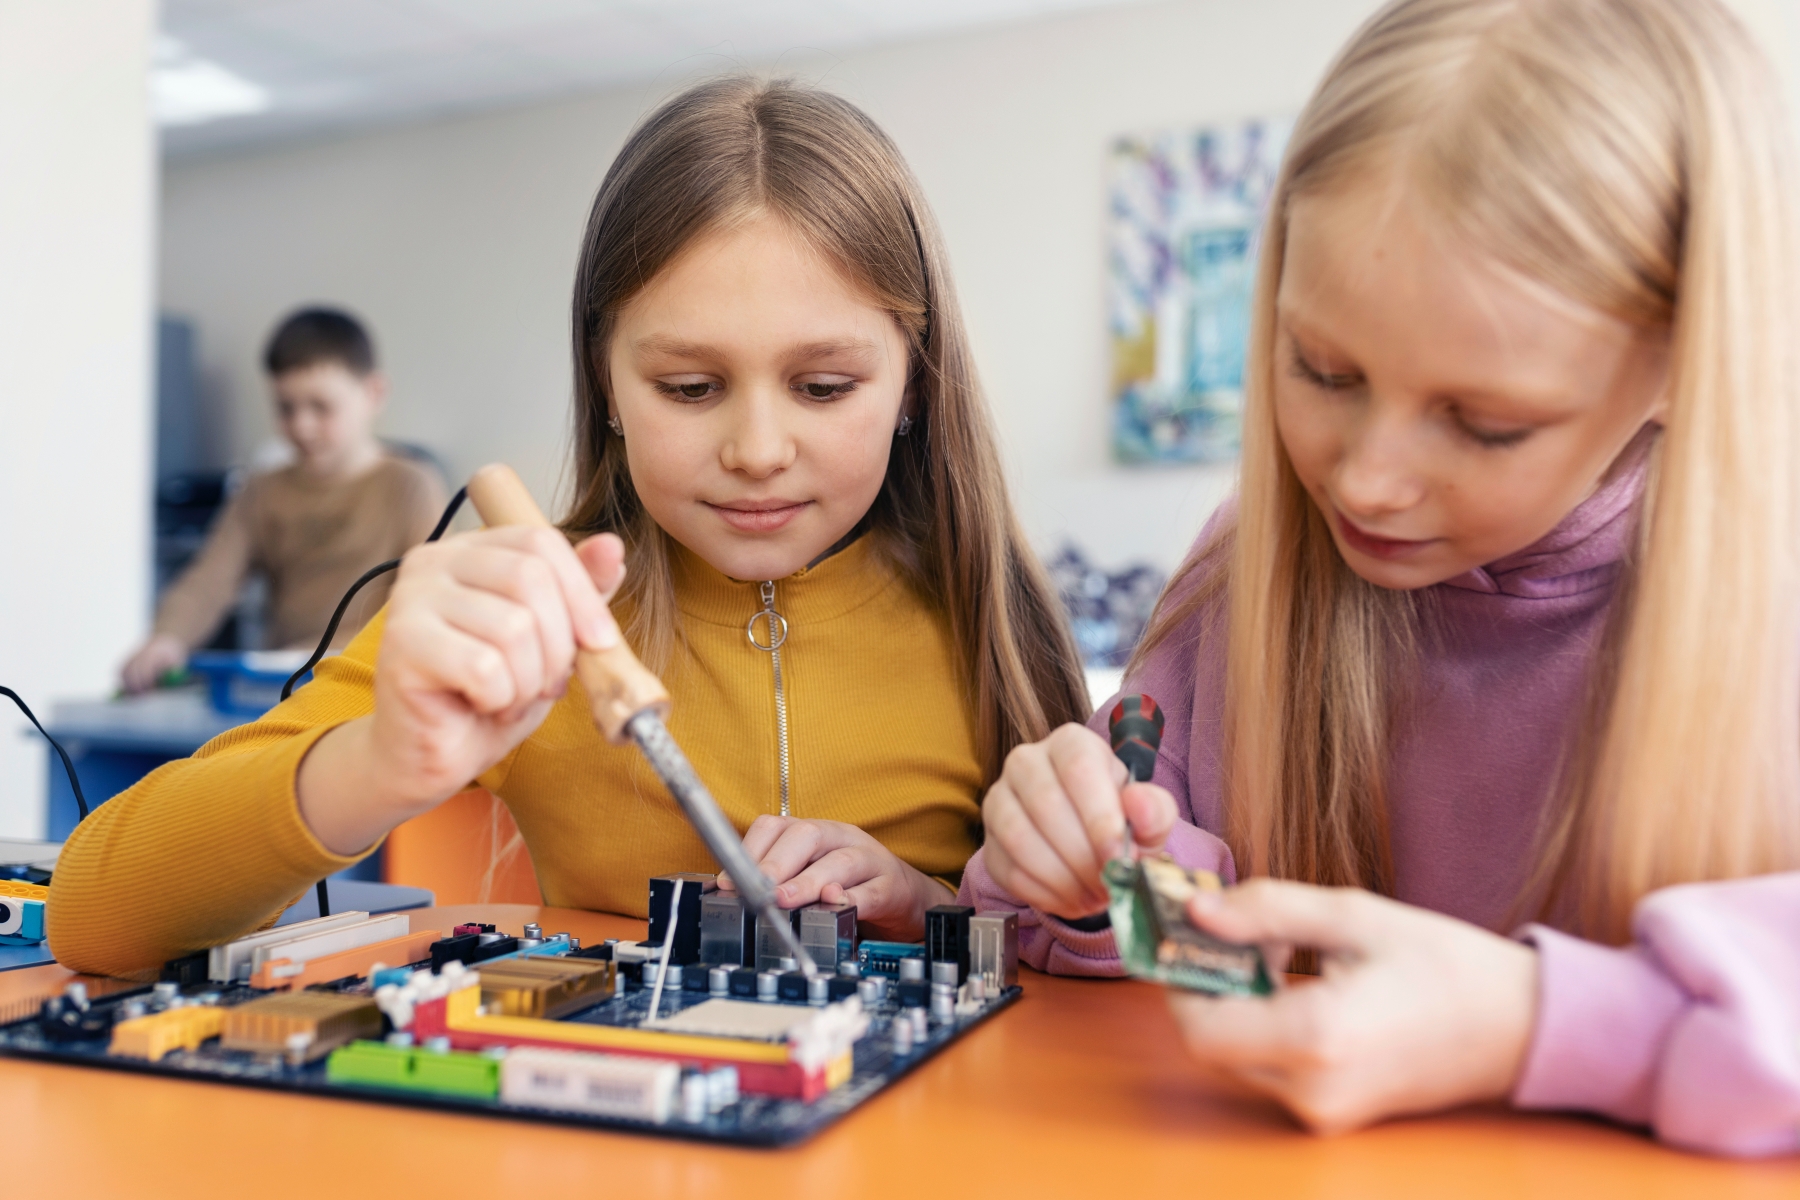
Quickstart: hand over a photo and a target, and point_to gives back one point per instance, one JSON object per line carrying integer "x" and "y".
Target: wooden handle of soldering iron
{"x": 618, "y": 685}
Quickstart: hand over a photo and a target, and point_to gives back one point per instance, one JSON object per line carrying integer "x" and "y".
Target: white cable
{"x": 662, "y": 967}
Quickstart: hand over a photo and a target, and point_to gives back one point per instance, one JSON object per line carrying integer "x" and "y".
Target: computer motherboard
{"x": 741, "y": 1047}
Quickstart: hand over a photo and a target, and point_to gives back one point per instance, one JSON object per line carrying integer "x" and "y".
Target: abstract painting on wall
{"x": 1185, "y": 212}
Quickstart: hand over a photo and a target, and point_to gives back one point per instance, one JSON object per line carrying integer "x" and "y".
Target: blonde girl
{"x": 779, "y": 433}
{"x": 1499, "y": 636}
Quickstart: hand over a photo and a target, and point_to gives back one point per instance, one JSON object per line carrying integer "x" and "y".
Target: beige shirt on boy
{"x": 311, "y": 539}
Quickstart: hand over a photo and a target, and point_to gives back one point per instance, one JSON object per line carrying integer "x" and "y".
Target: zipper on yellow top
{"x": 777, "y": 634}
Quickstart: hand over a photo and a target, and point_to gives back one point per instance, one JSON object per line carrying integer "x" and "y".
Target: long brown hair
{"x": 1633, "y": 155}
{"x": 717, "y": 154}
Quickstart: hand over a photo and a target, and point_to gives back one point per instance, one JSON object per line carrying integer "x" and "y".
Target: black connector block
{"x": 686, "y": 946}
{"x": 947, "y": 937}
{"x": 468, "y": 948}
{"x": 187, "y": 970}
{"x": 791, "y": 985}
{"x": 603, "y": 951}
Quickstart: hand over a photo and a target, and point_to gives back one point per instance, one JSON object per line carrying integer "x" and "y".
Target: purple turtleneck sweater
{"x": 1694, "y": 1029}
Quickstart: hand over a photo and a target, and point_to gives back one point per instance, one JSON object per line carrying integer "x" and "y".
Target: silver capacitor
{"x": 943, "y": 1001}
{"x": 694, "y": 1096}
{"x": 818, "y": 989}
{"x": 534, "y": 930}
{"x": 787, "y": 963}
{"x": 718, "y": 981}
{"x": 869, "y": 991}
{"x": 672, "y": 980}
{"x": 944, "y": 972}
{"x": 912, "y": 970}
{"x": 848, "y": 969}
{"x": 650, "y": 970}
{"x": 768, "y": 986}
{"x": 903, "y": 1036}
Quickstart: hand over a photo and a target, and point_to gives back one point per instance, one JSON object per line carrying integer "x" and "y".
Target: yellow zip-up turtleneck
{"x": 881, "y": 734}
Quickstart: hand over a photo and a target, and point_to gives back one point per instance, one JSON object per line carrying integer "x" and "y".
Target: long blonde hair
{"x": 1633, "y": 155}
{"x": 716, "y": 154}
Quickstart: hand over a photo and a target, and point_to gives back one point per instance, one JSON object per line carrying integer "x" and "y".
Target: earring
{"x": 616, "y": 425}
{"x": 904, "y": 428}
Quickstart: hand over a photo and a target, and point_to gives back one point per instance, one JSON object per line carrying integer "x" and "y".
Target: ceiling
{"x": 234, "y": 74}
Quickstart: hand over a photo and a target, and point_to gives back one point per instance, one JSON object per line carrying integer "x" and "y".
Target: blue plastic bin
{"x": 247, "y": 683}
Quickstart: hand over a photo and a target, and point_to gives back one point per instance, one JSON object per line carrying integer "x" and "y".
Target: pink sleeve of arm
{"x": 1055, "y": 946}
{"x": 1693, "y": 1029}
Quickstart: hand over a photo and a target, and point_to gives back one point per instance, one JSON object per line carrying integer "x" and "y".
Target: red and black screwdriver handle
{"x": 1136, "y": 726}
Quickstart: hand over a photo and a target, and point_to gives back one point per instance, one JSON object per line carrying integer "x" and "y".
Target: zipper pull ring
{"x": 778, "y": 626}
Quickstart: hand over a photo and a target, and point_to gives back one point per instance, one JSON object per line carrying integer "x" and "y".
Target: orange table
{"x": 1079, "y": 1090}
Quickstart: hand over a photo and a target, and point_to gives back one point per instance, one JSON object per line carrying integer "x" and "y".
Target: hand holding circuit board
{"x": 1149, "y": 895}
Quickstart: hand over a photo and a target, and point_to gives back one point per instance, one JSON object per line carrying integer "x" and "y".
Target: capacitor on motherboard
{"x": 943, "y": 1001}
{"x": 693, "y": 1098}
{"x": 903, "y": 1036}
{"x": 848, "y": 969}
{"x": 718, "y": 981}
{"x": 869, "y": 991}
{"x": 818, "y": 989}
{"x": 917, "y": 1017}
{"x": 673, "y": 978}
{"x": 944, "y": 973}
{"x": 768, "y": 985}
{"x": 912, "y": 970}
{"x": 533, "y": 930}
{"x": 721, "y": 1088}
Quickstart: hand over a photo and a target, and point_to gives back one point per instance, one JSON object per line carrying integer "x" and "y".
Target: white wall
{"x": 76, "y": 226}
{"x": 457, "y": 240}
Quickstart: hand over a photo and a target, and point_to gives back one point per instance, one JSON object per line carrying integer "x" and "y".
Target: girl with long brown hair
{"x": 1502, "y": 623}
{"x": 787, "y": 489}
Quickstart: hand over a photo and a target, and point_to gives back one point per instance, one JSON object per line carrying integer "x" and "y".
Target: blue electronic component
{"x": 883, "y": 958}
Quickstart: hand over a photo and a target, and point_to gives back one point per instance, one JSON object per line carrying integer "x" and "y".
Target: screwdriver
{"x": 1135, "y": 729}
{"x": 629, "y": 705}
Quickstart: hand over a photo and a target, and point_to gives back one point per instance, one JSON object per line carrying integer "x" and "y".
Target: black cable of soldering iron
{"x": 287, "y": 689}
{"x": 74, "y": 780}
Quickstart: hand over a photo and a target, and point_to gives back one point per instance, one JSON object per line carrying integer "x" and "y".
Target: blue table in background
{"x": 346, "y": 896}
{"x": 115, "y": 743}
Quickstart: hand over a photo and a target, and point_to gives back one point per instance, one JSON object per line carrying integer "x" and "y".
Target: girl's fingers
{"x": 762, "y": 834}
{"x": 1272, "y": 910}
{"x": 529, "y": 582}
{"x": 587, "y": 614}
{"x": 1047, "y": 882}
{"x": 428, "y": 653}
{"x": 874, "y": 898}
{"x": 603, "y": 555}
{"x": 799, "y": 844}
{"x": 1247, "y": 1034}
{"x": 1151, "y": 812}
{"x": 513, "y": 629}
{"x": 1036, "y": 781}
{"x": 1090, "y": 774}
{"x": 846, "y": 866}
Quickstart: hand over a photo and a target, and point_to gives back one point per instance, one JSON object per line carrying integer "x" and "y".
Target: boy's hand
{"x": 160, "y": 654}
{"x": 830, "y": 862}
{"x": 1059, "y": 812}
{"x": 1416, "y": 1011}
{"x": 482, "y": 630}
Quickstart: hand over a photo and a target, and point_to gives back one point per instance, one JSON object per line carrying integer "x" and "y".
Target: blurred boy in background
{"x": 344, "y": 505}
